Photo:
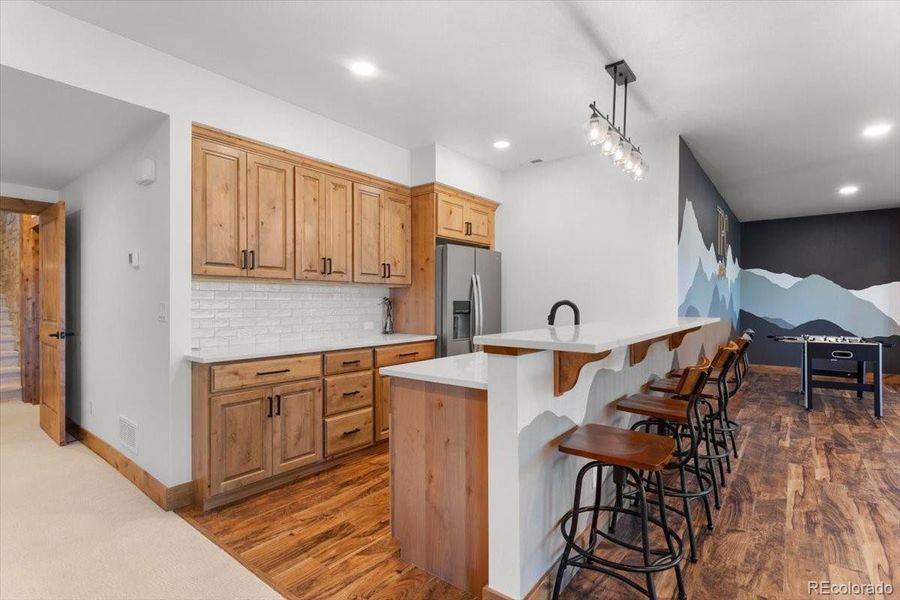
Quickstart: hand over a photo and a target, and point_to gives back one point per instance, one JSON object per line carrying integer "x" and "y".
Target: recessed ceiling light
{"x": 501, "y": 144}
{"x": 877, "y": 130}
{"x": 363, "y": 68}
{"x": 848, "y": 190}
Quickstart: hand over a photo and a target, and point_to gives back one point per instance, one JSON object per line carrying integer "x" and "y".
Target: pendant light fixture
{"x": 602, "y": 132}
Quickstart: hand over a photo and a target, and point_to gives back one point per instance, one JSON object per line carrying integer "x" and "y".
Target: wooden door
{"x": 309, "y": 224}
{"x": 240, "y": 427}
{"x": 270, "y": 218}
{"x": 450, "y": 216}
{"x": 368, "y": 263}
{"x": 397, "y": 238}
{"x": 53, "y": 321}
{"x": 219, "y": 209}
{"x": 297, "y": 425}
{"x": 339, "y": 229}
{"x": 382, "y": 408}
{"x": 478, "y": 217}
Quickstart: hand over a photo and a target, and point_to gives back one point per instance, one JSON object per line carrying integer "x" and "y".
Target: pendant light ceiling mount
{"x": 602, "y": 131}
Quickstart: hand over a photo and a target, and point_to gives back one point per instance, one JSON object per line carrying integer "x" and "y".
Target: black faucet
{"x": 551, "y": 318}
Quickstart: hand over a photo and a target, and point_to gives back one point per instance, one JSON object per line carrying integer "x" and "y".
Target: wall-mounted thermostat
{"x": 146, "y": 171}
{"x": 134, "y": 259}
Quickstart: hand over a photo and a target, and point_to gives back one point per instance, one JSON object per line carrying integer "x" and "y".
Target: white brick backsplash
{"x": 225, "y": 313}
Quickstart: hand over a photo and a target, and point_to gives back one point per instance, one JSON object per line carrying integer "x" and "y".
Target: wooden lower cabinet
{"x": 257, "y": 424}
{"x": 297, "y": 430}
{"x": 240, "y": 439}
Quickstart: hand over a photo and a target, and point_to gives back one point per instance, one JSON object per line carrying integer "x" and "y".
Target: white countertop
{"x": 588, "y": 337}
{"x": 463, "y": 370}
{"x": 251, "y": 351}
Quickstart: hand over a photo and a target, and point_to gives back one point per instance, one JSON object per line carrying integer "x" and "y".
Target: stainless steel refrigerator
{"x": 467, "y": 299}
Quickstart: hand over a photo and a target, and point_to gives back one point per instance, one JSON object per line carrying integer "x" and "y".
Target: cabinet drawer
{"x": 346, "y": 392}
{"x": 396, "y": 355}
{"x": 263, "y": 372}
{"x": 347, "y": 361}
{"x": 348, "y": 431}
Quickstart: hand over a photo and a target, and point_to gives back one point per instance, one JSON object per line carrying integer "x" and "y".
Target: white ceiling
{"x": 52, "y": 133}
{"x": 771, "y": 96}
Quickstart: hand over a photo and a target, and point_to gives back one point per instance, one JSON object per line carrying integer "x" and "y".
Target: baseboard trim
{"x": 890, "y": 378}
{"x": 167, "y": 498}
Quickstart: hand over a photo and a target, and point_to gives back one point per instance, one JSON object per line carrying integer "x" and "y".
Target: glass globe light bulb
{"x": 608, "y": 146}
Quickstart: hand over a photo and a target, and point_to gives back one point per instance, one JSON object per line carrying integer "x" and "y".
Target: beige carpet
{"x": 72, "y": 527}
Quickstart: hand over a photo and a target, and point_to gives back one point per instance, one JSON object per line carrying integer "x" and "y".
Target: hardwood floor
{"x": 815, "y": 496}
{"x": 327, "y": 536}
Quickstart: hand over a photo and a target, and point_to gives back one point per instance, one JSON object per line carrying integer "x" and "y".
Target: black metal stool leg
{"x": 679, "y": 577}
{"x": 619, "y": 480}
{"x": 688, "y": 517}
{"x": 645, "y": 537}
{"x": 576, "y": 505}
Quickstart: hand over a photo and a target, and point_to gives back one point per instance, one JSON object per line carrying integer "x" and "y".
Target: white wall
{"x": 42, "y": 41}
{"x": 27, "y": 192}
{"x": 437, "y": 163}
{"x": 119, "y": 360}
{"x": 581, "y": 230}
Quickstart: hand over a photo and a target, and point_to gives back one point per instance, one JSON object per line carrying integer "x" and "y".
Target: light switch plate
{"x": 134, "y": 259}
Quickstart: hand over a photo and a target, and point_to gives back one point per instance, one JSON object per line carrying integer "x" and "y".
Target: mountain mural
{"x": 707, "y": 286}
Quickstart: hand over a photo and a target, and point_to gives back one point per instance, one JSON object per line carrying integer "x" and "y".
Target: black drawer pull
{"x": 842, "y": 354}
{"x": 350, "y": 362}
{"x": 278, "y": 372}
{"x": 353, "y": 393}
{"x": 351, "y": 432}
{"x": 405, "y": 354}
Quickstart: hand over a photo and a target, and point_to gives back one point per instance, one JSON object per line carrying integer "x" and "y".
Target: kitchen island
{"x": 478, "y": 486}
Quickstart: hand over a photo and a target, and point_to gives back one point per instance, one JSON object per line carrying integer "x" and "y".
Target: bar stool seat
{"x": 664, "y": 408}
{"x": 669, "y": 385}
{"x": 714, "y": 375}
{"x": 622, "y": 447}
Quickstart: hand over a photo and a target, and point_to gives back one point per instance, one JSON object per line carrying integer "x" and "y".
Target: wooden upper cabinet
{"x": 297, "y": 426}
{"x": 480, "y": 220}
{"x": 397, "y": 238}
{"x": 368, "y": 263}
{"x": 240, "y": 439}
{"x": 309, "y": 225}
{"x": 339, "y": 229}
{"x": 219, "y": 209}
{"x": 270, "y": 217}
{"x": 451, "y": 222}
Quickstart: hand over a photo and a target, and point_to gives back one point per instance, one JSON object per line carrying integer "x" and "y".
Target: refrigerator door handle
{"x": 479, "y": 317}
{"x": 473, "y": 313}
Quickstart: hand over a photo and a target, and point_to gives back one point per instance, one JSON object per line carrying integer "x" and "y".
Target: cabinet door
{"x": 450, "y": 217}
{"x": 368, "y": 264}
{"x": 240, "y": 439}
{"x": 339, "y": 228}
{"x": 309, "y": 224}
{"x": 479, "y": 217}
{"x": 270, "y": 217}
{"x": 397, "y": 238}
{"x": 382, "y": 408}
{"x": 297, "y": 425}
{"x": 219, "y": 209}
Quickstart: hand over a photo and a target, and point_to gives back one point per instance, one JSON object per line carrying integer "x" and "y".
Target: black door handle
{"x": 389, "y": 270}
{"x": 61, "y": 335}
{"x": 253, "y": 259}
{"x": 243, "y": 259}
{"x": 324, "y": 270}
{"x": 277, "y": 405}
{"x": 329, "y": 266}
{"x": 269, "y": 413}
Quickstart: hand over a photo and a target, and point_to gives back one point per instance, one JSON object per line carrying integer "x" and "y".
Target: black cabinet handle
{"x": 277, "y": 405}
{"x": 269, "y": 414}
{"x": 353, "y": 393}
{"x": 351, "y": 432}
{"x": 405, "y": 354}
{"x": 261, "y": 373}
{"x": 329, "y": 266}
{"x": 389, "y": 270}
{"x": 350, "y": 362}
{"x": 383, "y": 270}
{"x": 253, "y": 259}
{"x": 243, "y": 259}
{"x": 324, "y": 269}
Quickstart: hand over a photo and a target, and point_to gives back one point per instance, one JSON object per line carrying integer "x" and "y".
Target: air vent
{"x": 128, "y": 433}
{"x": 536, "y": 161}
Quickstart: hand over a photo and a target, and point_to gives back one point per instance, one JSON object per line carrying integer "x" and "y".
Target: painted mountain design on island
{"x": 814, "y": 298}
{"x": 701, "y": 291}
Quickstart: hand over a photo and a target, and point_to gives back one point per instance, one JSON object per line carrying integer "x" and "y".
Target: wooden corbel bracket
{"x": 567, "y": 367}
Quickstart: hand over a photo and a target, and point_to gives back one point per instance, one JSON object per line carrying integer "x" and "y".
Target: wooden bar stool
{"x": 678, "y": 416}
{"x": 628, "y": 453}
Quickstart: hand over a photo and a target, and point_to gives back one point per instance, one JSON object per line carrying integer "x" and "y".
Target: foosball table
{"x": 838, "y": 349}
